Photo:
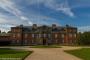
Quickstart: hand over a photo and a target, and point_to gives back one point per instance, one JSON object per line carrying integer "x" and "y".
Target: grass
{"x": 46, "y": 46}
{"x": 12, "y": 54}
{"x": 83, "y": 53}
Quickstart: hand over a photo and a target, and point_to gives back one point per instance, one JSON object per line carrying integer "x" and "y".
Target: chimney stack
{"x": 35, "y": 26}
{"x": 54, "y": 26}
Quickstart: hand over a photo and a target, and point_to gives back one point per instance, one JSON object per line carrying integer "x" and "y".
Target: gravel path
{"x": 51, "y": 54}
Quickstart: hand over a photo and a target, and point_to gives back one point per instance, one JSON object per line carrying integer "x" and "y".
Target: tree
{"x": 84, "y": 38}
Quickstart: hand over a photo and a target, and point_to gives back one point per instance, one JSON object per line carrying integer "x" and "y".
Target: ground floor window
{"x": 26, "y": 41}
{"x": 17, "y": 41}
{"x": 32, "y": 41}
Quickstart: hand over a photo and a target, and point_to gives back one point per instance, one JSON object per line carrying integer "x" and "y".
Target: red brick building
{"x": 43, "y": 35}
{"x": 5, "y": 39}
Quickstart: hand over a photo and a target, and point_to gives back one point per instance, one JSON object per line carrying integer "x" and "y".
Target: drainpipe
{"x": 21, "y": 35}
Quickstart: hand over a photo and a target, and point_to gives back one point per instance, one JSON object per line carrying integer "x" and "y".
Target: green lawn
{"x": 46, "y": 46}
{"x": 83, "y": 53}
{"x": 12, "y": 54}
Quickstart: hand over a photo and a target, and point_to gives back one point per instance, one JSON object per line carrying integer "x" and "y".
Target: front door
{"x": 44, "y": 42}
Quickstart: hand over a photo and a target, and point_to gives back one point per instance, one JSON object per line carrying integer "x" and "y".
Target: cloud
{"x": 65, "y": 8}
{"x": 42, "y": 19}
{"x": 79, "y": 3}
{"x": 53, "y": 4}
{"x": 24, "y": 18}
{"x": 9, "y": 6}
{"x": 16, "y": 18}
{"x": 7, "y": 21}
{"x": 84, "y": 28}
{"x": 2, "y": 20}
{"x": 5, "y": 27}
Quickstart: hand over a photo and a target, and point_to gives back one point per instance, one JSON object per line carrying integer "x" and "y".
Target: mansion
{"x": 42, "y": 35}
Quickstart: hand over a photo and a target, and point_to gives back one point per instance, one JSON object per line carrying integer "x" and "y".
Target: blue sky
{"x": 73, "y": 12}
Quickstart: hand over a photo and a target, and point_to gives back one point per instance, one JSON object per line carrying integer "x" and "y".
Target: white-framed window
{"x": 13, "y": 41}
{"x": 26, "y": 41}
{"x": 39, "y": 35}
{"x": 70, "y": 35}
{"x": 75, "y": 35}
{"x": 18, "y": 35}
{"x": 14, "y": 35}
{"x": 63, "y": 41}
{"x": 56, "y": 41}
{"x": 17, "y": 41}
{"x": 33, "y": 35}
{"x": 26, "y": 35}
{"x": 32, "y": 41}
{"x": 75, "y": 30}
{"x": 56, "y": 35}
{"x": 62, "y": 35}
{"x": 49, "y": 35}
{"x": 13, "y": 30}
{"x": 44, "y": 35}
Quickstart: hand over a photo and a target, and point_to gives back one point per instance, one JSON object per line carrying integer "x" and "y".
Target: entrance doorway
{"x": 44, "y": 42}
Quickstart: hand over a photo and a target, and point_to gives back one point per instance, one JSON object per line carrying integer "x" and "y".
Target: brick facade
{"x": 5, "y": 40}
{"x": 43, "y": 35}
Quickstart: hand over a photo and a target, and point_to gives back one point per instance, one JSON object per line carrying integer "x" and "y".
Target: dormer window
{"x": 34, "y": 26}
{"x": 53, "y": 26}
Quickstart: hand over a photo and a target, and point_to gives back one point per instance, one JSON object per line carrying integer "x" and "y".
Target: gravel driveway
{"x": 51, "y": 54}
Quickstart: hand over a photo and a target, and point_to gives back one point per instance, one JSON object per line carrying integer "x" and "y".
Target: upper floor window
{"x": 18, "y": 35}
{"x": 49, "y": 35}
{"x": 62, "y": 35}
{"x": 70, "y": 30}
{"x": 33, "y": 35}
{"x": 75, "y": 35}
{"x": 56, "y": 35}
{"x": 26, "y": 35}
{"x": 44, "y": 35}
{"x": 39, "y": 35}
{"x": 70, "y": 35}
{"x": 13, "y": 30}
{"x": 14, "y": 35}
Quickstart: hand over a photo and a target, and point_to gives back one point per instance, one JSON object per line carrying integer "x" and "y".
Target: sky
{"x": 45, "y": 12}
